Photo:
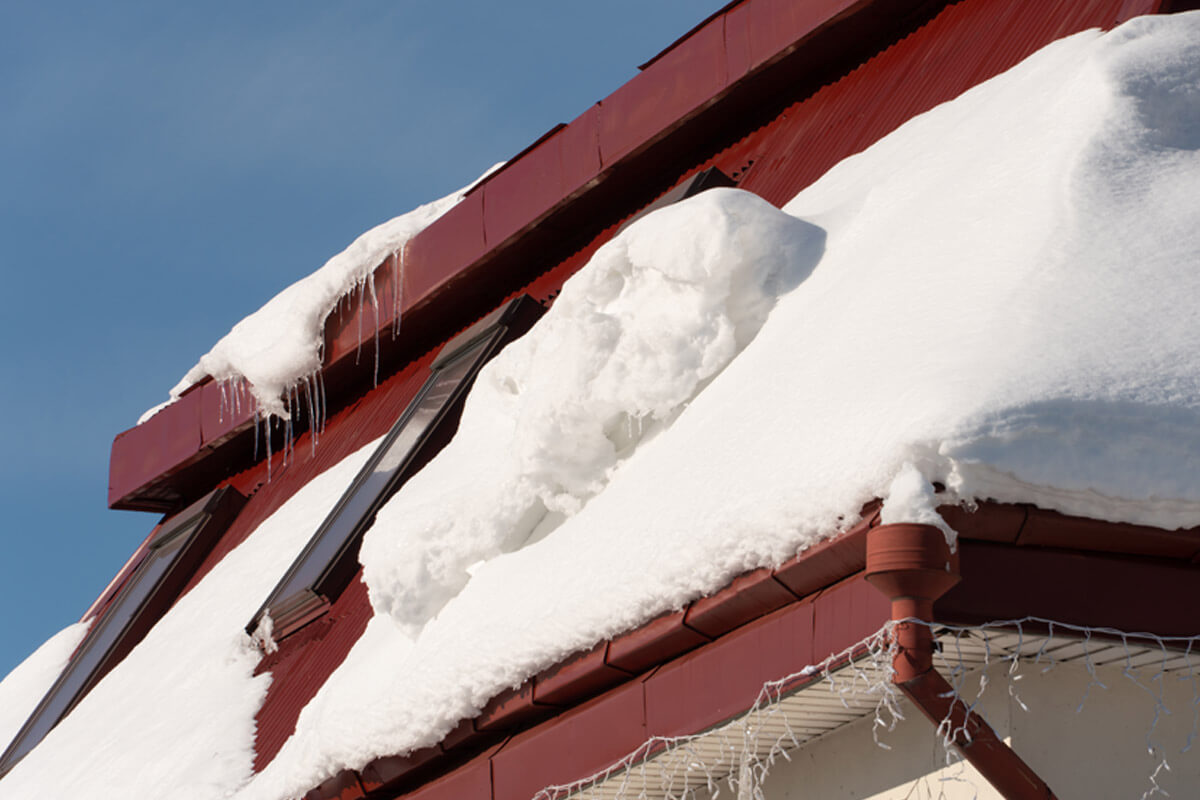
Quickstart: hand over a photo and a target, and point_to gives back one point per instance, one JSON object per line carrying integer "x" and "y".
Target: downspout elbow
{"x": 913, "y": 566}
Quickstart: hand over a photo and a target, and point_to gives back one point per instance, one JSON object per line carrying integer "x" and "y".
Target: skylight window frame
{"x": 296, "y": 599}
{"x": 171, "y": 559}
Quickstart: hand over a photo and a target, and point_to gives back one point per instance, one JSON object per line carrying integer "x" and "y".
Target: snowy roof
{"x": 987, "y": 299}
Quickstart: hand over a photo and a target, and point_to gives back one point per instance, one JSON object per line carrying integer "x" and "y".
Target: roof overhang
{"x": 793, "y": 628}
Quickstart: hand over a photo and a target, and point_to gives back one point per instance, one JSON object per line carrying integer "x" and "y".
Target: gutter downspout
{"x": 913, "y": 566}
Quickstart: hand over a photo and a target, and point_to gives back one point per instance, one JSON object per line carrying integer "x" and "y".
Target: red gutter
{"x": 913, "y": 566}
{"x": 591, "y": 699}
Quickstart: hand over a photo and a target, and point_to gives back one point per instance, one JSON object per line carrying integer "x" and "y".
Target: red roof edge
{"x": 575, "y": 176}
{"x": 597, "y": 703}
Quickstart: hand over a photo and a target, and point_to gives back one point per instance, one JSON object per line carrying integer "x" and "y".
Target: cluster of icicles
{"x": 305, "y": 398}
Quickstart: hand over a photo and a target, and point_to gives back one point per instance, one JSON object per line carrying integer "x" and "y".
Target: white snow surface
{"x": 277, "y": 347}
{"x": 996, "y": 297}
{"x": 176, "y": 718}
{"x": 23, "y": 688}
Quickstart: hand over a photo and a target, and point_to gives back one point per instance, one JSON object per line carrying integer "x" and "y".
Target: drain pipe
{"x": 912, "y": 565}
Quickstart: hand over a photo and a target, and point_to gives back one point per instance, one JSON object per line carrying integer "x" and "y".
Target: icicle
{"x": 398, "y": 288}
{"x": 266, "y": 418}
{"x": 321, "y": 398}
{"x": 362, "y": 293}
{"x": 312, "y": 425}
{"x": 224, "y": 399}
{"x": 375, "y": 324}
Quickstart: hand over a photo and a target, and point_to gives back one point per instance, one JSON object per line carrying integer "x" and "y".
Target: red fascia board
{"x": 749, "y": 597}
{"x": 739, "y": 56}
{"x": 661, "y": 98}
{"x": 462, "y": 733}
{"x": 441, "y": 253}
{"x": 581, "y": 676}
{"x": 845, "y": 614}
{"x": 657, "y": 641}
{"x": 698, "y": 26}
{"x": 383, "y": 771}
{"x": 580, "y": 143}
{"x": 517, "y": 197}
{"x": 829, "y": 561}
{"x": 343, "y": 786}
{"x": 729, "y": 673}
{"x": 1126, "y": 593}
{"x": 510, "y": 709}
{"x": 164, "y": 443}
{"x": 776, "y": 27}
{"x": 1051, "y": 529}
{"x": 990, "y": 522}
{"x": 574, "y": 745}
{"x": 221, "y": 414}
{"x": 367, "y": 312}
{"x": 472, "y": 781}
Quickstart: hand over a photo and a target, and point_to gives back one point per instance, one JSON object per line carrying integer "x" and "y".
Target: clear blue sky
{"x": 166, "y": 168}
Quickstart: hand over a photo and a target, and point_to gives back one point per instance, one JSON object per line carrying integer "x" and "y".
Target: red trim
{"x": 635, "y": 140}
{"x": 729, "y": 671}
{"x": 581, "y": 676}
{"x": 653, "y": 643}
{"x": 749, "y": 597}
{"x": 1132, "y": 594}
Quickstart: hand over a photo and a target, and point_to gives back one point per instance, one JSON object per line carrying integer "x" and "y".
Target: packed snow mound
{"x": 23, "y": 688}
{"x": 1001, "y": 302}
{"x": 1029, "y": 336}
{"x": 175, "y": 719}
{"x": 277, "y": 347}
{"x": 631, "y": 340}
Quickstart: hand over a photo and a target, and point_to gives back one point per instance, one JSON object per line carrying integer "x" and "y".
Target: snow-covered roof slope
{"x": 989, "y": 298}
{"x": 998, "y": 297}
{"x": 279, "y": 345}
{"x": 175, "y": 719}
{"x": 23, "y": 688}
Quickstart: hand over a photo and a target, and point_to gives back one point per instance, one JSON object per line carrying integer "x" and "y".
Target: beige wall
{"x": 1097, "y": 753}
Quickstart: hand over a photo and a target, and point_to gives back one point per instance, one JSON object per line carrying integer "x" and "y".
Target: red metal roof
{"x": 750, "y": 56}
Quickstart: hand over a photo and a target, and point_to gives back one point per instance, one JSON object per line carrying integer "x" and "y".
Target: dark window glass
{"x": 329, "y": 561}
{"x": 710, "y": 178}
{"x": 156, "y": 582}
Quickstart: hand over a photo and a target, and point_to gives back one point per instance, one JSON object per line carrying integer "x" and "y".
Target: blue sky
{"x": 167, "y": 168}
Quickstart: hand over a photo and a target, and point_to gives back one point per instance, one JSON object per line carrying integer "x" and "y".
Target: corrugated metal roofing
{"x": 965, "y": 44}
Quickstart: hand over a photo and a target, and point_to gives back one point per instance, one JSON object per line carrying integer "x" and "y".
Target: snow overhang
{"x": 572, "y": 184}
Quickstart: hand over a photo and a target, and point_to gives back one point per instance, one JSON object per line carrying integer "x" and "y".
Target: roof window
{"x": 330, "y": 559}
{"x": 171, "y": 559}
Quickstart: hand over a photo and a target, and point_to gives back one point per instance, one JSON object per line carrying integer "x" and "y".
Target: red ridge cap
{"x": 445, "y": 265}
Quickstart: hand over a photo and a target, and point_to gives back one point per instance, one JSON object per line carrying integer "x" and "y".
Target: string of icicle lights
{"x": 737, "y": 756}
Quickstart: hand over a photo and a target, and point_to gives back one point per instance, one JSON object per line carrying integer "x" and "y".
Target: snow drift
{"x": 274, "y": 349}
{"x": 996, "y": 297}
{"x": 176, "y": 717}
{"x": 23, "y": 688}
